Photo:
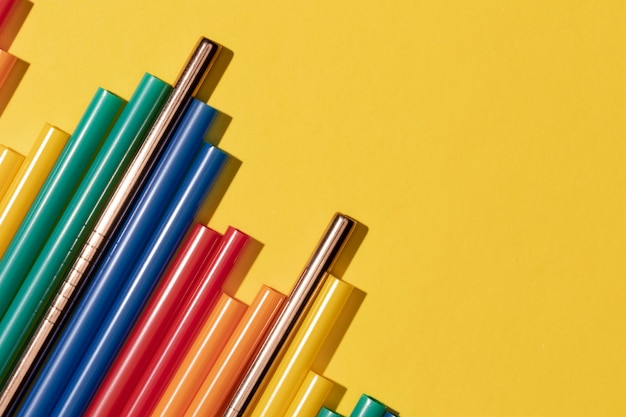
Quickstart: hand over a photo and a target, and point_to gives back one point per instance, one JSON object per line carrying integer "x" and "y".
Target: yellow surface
{"x": 481, "y": 143}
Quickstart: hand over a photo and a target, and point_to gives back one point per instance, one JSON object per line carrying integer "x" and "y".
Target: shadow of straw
{"x": 12, "y": 81}
{"x": 13, "y": 22}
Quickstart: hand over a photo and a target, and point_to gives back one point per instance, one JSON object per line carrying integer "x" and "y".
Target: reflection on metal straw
{"x": 187, "y": 84}
{"x": 302, "y": 294}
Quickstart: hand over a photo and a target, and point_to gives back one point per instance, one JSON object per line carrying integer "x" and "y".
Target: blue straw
{"x": 129, "y": 245}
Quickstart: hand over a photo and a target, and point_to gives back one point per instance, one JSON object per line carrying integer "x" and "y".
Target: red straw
{"x": 5, "y": 9}
{"x": 186, "y": 325}
{"x": 196, "y": 251}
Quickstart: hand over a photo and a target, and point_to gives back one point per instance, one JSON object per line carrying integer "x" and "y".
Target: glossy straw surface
{"x": 169, "y": 298}
{"x": 5, "y": 9}
{"x": 39, "y": 286}
{"x": 208, "y": 389}
{"x": 368, "y": 406}
{"x": 10, "y": 162}
{"x": 305, "y": 289}
{"x": 88, "y": 200}
{"x": 54, "y": 195}
{"x": 303, "y": 349}
{"x": 212, "y": 338}
{"x": 110, "y": 220}
{"x": 168, "y": 234}
{"x": 22, "y": 192}
{"x": 310, "y": 397}
{"x": 186, "y": 325}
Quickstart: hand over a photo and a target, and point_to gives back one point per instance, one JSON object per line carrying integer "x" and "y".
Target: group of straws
{"x": 111, "y": 298}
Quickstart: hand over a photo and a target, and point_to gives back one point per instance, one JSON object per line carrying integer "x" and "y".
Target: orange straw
{"x": 212, "y": 387}
{"x": 207, "y": 346}
{"x": 7, "y": 61}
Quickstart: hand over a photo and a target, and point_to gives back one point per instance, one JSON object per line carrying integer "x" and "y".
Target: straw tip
{"x": 347, "y": 221}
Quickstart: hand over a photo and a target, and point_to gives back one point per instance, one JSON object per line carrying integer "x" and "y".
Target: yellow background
{"x": 481, "y": 143}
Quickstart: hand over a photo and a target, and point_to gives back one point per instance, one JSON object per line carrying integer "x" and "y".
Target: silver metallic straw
{"x": 299, "y": 301}
{"x": 189, "y": 81}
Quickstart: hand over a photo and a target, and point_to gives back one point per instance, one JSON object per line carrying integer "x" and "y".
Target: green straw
{"x": 56, "y": 192}
{"x": 54, "y": 259}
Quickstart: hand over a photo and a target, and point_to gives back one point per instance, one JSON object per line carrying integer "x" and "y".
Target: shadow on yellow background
{"x": 482, "y": 143}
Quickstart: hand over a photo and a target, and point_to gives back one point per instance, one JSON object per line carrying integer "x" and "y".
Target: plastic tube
{"x": 29, "y": 180}
{"x": 368, "y": 407}
{"x": 169, "y": 297}
{"x": 212, "y": 387}
{"x": 168, "y": 234}
{"x": 211, "y": 341}
{"x": 186, "y": 325}
{"x": 55, "y": 193}
{"x": 325, "y": 412}
{"x": 310, "y": 397}
{"x": 5, "y": 9}
{"x": 10, "y": 162}
{"x": 85, "y": 205}
{"x": 303, "y": 349}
